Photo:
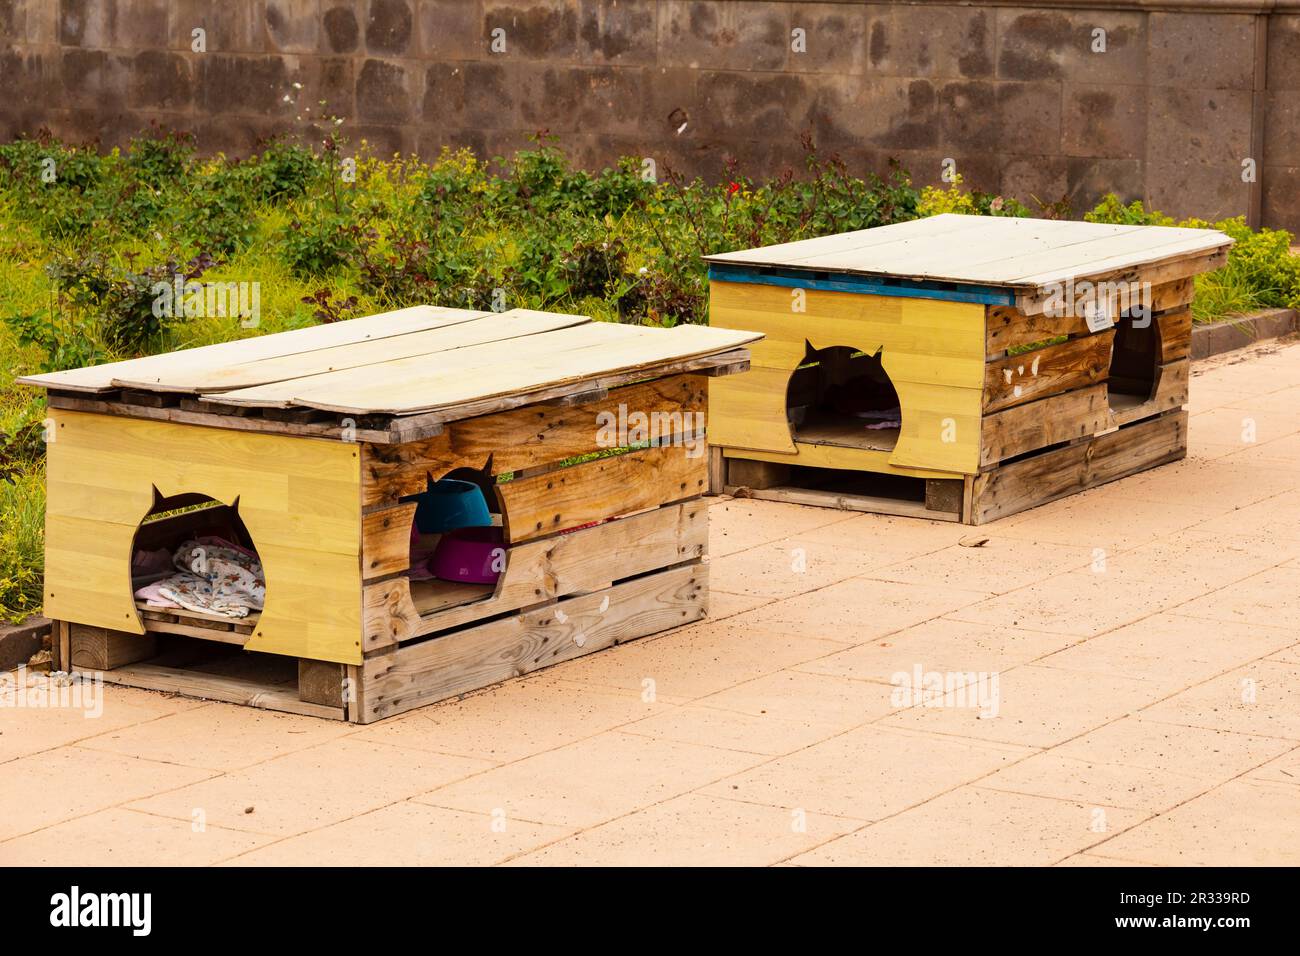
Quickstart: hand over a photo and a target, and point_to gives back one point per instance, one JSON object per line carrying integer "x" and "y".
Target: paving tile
{"x": 736, "y": 524}
{"x": 36, "y": 726}
{"x": 860, "y": 609}
{"x": 1219, "y": 484}
{"x": 1081, "y": 603}
{"x": 219, "y": 737}
{"x": 939, "y": 645}
{"x": 1003, "y": 564}
{"x": 1245, "y": 425}
{"x": 1089, "y": 859}
{"x": 700, "y": 659}
{"x": 1089, "y": 519}
{"x": 868, "y": 773}
{"x": 120, "y": 837}
{"x": 724, "y": 604}
{"x": 515, "y": 720}
{"x": 57, "y": 785}
{"x": 885, "y": 538}
{"x": 694, "y": 830}
{"x": 311, "y": 788}
{"x": 406, "y": 834}
{"x": 795, "y": 695}
{"x": 1170, "y": 650}
{"x": 1283, "y": 769}
{"x": 1035, "y": 707}
{"x": 590, "y": 781}
{"x": 1269, "y": 599}
{"x": 1242, "y": 823}
{"x": 1262, "y": 698}
{"x": 788, "y": 567}
{"x": 732, "y": 730}
{"x": 1273, "y": 520}
{"x": 973, "y": 826}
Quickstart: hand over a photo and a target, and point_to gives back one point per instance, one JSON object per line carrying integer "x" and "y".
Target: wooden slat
{"x": 231, "y": 690}
{"x": 526, "y": 438}
{"x": 1174, "y": 330}
{"x": 843, "y": 501}
{"x": 556, "y": 500}
{"x": 476, "y": 373}
{"x": 320, "y": 682}
{"x": 466, "y": 660}
{"x": 1039, "y": 479}
{"x": 426, "y": 343}
{"x": 539, "y": 571}
{"x": 1058, "y": 418}
{"x": 1155, "y": 274}
{"x": 386, "y": 541}
{"x": 1028, "y": 376}
{"x": 1169, "y": 391}
{"x": 176, "y": 365}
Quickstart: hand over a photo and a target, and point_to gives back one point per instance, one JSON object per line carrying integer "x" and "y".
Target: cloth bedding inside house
{"x": 215, "y": 576}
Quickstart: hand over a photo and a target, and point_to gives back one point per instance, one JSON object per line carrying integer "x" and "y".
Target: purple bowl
{"x": 468, "y": 554}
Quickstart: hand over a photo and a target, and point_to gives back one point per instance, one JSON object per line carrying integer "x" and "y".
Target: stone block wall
{"x": 1016, "y": 94}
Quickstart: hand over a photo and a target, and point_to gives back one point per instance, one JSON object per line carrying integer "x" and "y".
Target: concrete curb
{"x": 18, "y": 642}
{"x": 1227, "y": 335}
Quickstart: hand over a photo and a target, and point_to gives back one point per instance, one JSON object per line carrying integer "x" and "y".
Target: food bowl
{"x": 470, "y": 555}
{"x": 449, "y": 504}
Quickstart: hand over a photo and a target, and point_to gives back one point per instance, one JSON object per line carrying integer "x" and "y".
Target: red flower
{"x": 733, "y": 189}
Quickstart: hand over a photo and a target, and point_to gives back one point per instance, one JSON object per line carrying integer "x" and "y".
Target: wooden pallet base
{"x": 401, "y": 677}
{"x": 996, "y": 492}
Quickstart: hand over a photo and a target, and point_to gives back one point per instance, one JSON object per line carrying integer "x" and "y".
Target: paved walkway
{"x": 1145, "y": 638}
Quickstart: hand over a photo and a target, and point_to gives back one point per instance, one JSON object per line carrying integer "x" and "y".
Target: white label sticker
{"x": 1097, "y": 315}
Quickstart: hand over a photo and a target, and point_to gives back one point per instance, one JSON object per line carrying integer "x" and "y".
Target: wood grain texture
{"x": 933, "y": 352}
{"x": 476, "y": 657}
{"x": 557, "y": 500}
{"x": 526, "y": 438}
{"x": 540, "y": 571}
{"x": 386, "y": 541}
{"x": 1175, "y": 335}
{"x": 102, "y": 649}
{"x": 298, "y": 497}
{"x": 1057, "y": 418}
{"x": 1039, "y": 479}
{"x": 1074, "y": 363}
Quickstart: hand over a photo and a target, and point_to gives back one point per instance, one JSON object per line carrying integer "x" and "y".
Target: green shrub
{"x": 22, "y": 543}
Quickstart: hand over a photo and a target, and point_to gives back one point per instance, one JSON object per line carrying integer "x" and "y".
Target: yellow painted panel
{"x": 932, "y": 350}
{"x": 298, "y": 497}
{"x": 836, "y": 456}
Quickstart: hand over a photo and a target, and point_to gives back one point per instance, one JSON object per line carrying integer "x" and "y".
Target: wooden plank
{"x": 819, "y": 498}
{"x": 320, "y": 682}
{"x": 231, "y": 690}
{"x": 847, "y": 459}
{"x": 214, "y": 419}
{"x": 1154, "y": 274}
{"x": 476, "y": 657}
{"x": 386, "y": 541}
{"x": 986, "y": 250}
{"x": 1065, "y": 471}
{"x": 565, "y": 356}
{"x": 425, "y": 343}
{"x": 174, "y": 366}
{"x": 296, "y": 496}
{"x": 1174, "y": 332}
{"x": 557, "y": 500}
{"x": 527, "y": 438}
{"x": 540, "y": 571}
{"x": 1028, "y": 376}
{"x": 1008, "y": 328}
{"x": 1058, "y": 418}
{"x": 102, "y": 649}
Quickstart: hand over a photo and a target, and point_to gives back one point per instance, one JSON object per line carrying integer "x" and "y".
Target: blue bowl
{"x": 449, "y": 504}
